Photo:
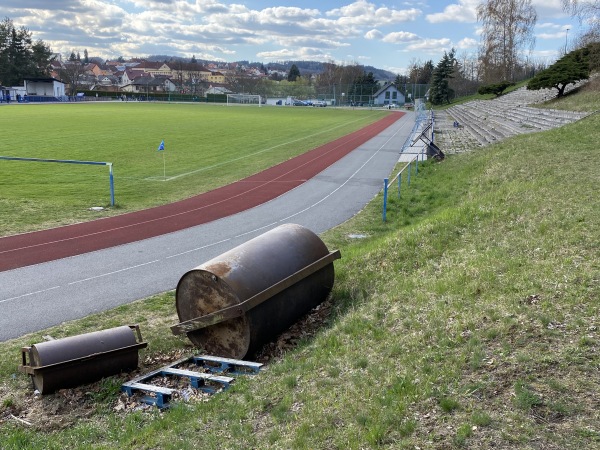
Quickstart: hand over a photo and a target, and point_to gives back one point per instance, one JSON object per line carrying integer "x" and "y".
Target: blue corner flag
{"x": 161, "y": 147}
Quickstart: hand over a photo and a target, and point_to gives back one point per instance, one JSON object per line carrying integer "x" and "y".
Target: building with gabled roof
{"x": 388, "y": 95}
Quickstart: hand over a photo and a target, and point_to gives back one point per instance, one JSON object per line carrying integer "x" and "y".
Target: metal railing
{"x": 424, "y": 125}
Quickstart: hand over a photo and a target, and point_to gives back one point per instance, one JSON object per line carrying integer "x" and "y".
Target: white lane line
{"x": 114, "y": 272}
{"x": 198, "y": 248}
{"x": 223, "y": 241}
{"x": 347, "y": 181}
{"x": 30, "y": 293}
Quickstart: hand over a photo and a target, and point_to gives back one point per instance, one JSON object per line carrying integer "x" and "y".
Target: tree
{"x": 569, "y": 69}
{"x": 337, "y": 79}
{"x": 496, "y": 89}
{"x": 587, "y": 12}
{"x": 86, "y": 58}
{"x": 507, "y": 29}
{"x": 41, "y": 55}
{"x": 72, "y": 74}
{"x": 19, "y": 56}
{"x": 363, "y": 88}
{"x": 440, "y": 91}
{"x": 294, "y": 73}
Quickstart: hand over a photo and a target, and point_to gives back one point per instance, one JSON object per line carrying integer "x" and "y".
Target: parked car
{"x": 320, "y": 104}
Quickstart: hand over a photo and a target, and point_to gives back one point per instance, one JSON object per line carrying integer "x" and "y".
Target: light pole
{"x": 566, "y": 40}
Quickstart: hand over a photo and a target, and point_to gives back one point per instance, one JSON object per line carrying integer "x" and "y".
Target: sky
{"x": 387, "y": 35}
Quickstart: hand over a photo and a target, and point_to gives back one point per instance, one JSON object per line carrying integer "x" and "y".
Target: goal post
{"x": 72, "y": 161}
{"x": 243, "y": 99}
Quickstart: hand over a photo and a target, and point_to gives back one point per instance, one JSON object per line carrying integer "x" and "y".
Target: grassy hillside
{"x": 468, "y": 320}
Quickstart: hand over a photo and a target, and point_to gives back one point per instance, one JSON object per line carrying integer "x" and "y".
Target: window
{"x": 395, "y": 95}
{"x": 387, "y": 94}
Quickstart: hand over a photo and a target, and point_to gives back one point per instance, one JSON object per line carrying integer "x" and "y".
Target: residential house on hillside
{"x": 154, "y": 68}
{"x": 216, "y": 78}
{"x": 148, "y": 85}
{"x": 92, "y": 69}
{"x": 388, "y": 95}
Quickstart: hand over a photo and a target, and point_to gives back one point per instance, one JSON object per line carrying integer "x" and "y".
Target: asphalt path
{"x": 36, "y": 297}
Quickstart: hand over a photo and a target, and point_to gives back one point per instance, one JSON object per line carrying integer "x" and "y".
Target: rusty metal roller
{"x": 81, "y": 359}
{"x": 233, "y": 304}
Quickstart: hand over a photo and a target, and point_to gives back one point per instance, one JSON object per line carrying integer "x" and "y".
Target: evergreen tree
{"x": 569, "y": 69}
{"x": 193, "y": 60}
{"x": 364, "y": 86}
{"x": 294, "y": 73}
{"x": 19, "y": 56}
{"x": 440, "y": 91}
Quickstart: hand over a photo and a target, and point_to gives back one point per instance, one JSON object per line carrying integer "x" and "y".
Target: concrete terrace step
{"x": 489, "y": 121}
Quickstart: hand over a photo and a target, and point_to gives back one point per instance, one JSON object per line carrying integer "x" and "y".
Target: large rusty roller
{"x": 233, "y": 304}
{"x": 76, "y": 360}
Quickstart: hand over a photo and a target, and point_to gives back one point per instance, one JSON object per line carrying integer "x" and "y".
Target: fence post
{"x": 385, "y": 191}
{"x": 417, "y": 165}
{"x": 408, "y": 181}
{"x": 112, "y": 185}
{"x": 399, "y": 183}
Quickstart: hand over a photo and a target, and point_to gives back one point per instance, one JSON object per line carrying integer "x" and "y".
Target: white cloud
{"x": 549, "y": 25}
{"x": 362, "y": 12}
{"x": 373, "y": 34}
{"x": 464, "y": 11}
{"x": 299, "y": 53}
{"x": 557, "y": 35}
{"x": 436, "y": 45}
{"x": 400, "y": 37}
{"x": 467, "y": 43}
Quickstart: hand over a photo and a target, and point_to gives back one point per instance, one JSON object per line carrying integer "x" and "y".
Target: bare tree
{"x": 587, "y": 12}
{"x": 337, "y": 79}
{"x": 507, "y": 30}
{"x": 582, "y": 9}
{"x": 72, "y": 75}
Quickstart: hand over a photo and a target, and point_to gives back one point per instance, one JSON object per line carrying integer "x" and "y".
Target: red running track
{"x": 47, "y": 245}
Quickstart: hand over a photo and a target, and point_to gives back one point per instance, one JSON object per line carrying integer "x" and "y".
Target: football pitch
{"x": 206, "y": 146}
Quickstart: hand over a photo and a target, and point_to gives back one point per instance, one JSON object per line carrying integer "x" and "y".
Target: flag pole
{"x": 161, "y": 148}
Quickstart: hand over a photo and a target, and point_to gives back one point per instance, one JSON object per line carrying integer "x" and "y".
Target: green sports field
{"x": 206, "y": 146}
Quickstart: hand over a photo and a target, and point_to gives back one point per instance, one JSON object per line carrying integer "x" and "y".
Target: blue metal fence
{"x": 424, "y": 123}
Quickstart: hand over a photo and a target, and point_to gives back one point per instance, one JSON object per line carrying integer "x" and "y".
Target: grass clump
{"x": 468, "y": 320}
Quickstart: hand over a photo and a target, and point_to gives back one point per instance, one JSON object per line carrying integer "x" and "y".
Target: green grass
{"x": 206, "y": 147}
{"x": 468, "y": 320}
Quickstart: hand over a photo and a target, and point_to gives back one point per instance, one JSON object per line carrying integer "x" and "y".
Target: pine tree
{"x": 569, "y": 69}
{"x": 19, "y": 57}
{"x": 294, "y": 73}
{"x": 440, "y": 91}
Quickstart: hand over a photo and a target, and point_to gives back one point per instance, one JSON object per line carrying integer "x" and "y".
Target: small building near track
{"x": 44, "y": 89}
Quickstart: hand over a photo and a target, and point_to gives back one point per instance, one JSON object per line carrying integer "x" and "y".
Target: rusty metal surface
{"x": 81, "y": 359}
{"x": 239, "y": 309}
{"x": 242, "y": 274}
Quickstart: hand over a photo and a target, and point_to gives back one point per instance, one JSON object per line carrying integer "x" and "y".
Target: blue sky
{"x": 388, "y": 35}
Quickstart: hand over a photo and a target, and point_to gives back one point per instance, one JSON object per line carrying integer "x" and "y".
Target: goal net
{"x": 243, "y": 99}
